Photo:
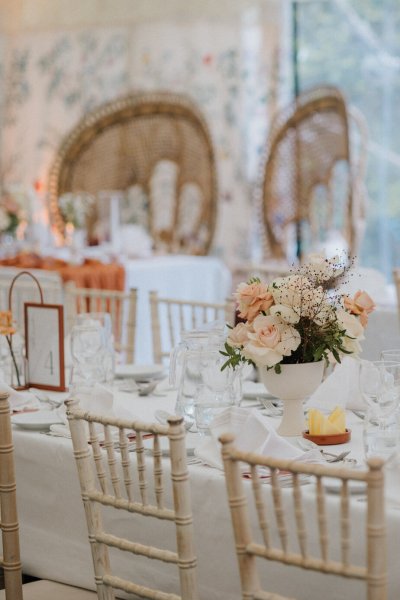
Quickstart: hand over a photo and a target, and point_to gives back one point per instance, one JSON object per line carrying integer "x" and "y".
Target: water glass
{"x": 103, "y": 320}
{"x": 88, "y": 345}
{"x": 217, "y": 391}
{"x": 380, "y": 384}
{"x": 390, "y": 356}
{"x": 381, "y": 434}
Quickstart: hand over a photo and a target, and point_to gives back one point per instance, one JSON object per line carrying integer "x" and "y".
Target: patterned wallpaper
{"x": 233, "y": 70}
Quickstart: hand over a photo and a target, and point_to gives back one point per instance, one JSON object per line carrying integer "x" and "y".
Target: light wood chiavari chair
{"x": 170, "y": 317}
{"x": 11, "y": 560}
{"x": 122, "y": 491}
{"x": 120, "y": 305}
{"x": 374, "y": 571}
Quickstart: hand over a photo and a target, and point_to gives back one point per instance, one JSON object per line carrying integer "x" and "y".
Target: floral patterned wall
{"x": 234, "y": 70}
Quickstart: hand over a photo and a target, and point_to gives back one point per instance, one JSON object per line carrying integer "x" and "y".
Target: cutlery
{"x": 271, "y": 409}
{"x": 335, "y": 457}
{"x": 359, "y": 413}
{"x": 146, "y": 387}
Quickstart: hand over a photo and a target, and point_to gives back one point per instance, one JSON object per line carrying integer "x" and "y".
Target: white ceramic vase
{"x": 293, "y": 385}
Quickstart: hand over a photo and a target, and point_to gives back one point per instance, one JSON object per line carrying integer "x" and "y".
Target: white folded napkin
{"x": 340, "y": 388}
{"x": 253, "y": 434}
{"x": 20, "y": 400}
{"x": 97, "y": 399}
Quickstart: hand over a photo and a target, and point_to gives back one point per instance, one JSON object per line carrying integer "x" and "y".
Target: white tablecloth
{"x": 382, "y": 332}
{"x": 54, "y": 539}
{"x": 201, "y": 278}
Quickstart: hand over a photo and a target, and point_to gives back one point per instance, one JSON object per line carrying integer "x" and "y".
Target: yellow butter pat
{"x": 319, "y": 424}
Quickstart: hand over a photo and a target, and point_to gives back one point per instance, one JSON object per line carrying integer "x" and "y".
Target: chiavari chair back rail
{"x": 10, "y": 562}
{"x": 120, "y": 305}
{"x": 109, "y": 479}
{"x": 276, "y": 546}
{"x": 182, "y": 315}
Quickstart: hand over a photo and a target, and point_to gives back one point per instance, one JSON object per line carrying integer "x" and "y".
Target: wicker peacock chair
{"x": 121, "y": 146}
{"x": 308, "y": 180}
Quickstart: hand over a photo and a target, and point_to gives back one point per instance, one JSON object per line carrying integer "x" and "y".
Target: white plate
{"x": 39, "y": 420}
{"x": 140, "y": 372}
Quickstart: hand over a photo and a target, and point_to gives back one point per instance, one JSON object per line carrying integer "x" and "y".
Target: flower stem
{"x": 8, "y": 338}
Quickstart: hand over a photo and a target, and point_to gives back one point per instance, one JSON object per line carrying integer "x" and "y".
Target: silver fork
{"x": 272, "y": 410}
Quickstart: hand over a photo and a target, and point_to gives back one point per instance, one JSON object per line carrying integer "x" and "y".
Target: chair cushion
{"x": 50, "y": 590}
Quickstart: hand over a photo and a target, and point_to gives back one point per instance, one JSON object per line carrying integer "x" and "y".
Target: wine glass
{"x": 380, "y": 384}
{"x": 381, "y": 434}
{"x": 392, "y": 355}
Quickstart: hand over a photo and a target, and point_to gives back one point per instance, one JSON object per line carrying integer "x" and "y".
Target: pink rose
{"x": 238, "y": 335}
{"x": 252, "y": 299}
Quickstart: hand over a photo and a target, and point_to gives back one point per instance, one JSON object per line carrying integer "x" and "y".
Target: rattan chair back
{"x": 122, "y": 145}
{"x": 307, "y": 179}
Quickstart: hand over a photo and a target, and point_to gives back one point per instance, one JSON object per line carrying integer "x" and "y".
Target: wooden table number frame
{"x": 44, "y": 338}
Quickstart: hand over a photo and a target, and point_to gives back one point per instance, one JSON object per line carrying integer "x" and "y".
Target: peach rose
{"x": 270, "y": 341}
{"x": 361, "y": 305}
{"x": 238, "y": 335}
{"x": 252, "y": 299}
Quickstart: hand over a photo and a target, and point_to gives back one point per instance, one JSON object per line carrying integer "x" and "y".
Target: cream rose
{"x": 323, "y": 268}
{"x": 252, "y": 299}
{"x": 270, "y": 341}
{"x": 286, "y": 313}
{"x": 354, "y": 331}
{"x": 238, "y": 335}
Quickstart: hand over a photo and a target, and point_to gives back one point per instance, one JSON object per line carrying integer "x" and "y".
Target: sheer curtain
{"x": 355, "y": 44}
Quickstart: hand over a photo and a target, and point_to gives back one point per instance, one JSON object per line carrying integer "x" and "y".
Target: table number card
{"x": 44, "y": 337}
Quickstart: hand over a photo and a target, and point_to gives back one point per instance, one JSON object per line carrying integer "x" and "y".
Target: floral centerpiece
{"x": 7, "y": 329}
{"x": 297, "y": 319}
{"x": 12, "y": 213}
{"x": 75, "y": 207}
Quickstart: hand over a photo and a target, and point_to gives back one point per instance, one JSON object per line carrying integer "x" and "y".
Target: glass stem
{"x": 8, "y": 338}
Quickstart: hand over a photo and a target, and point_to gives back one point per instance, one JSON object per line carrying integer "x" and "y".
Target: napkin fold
{"x": 97, "y": 399}
{"x": 340, "y": 388}
{"x": 252, "y": 434}
{"x": 20, "y": 400}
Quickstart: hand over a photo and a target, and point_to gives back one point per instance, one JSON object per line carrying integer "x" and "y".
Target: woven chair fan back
{"x": 121, "y": 146}
{"x": 308, "y": 142}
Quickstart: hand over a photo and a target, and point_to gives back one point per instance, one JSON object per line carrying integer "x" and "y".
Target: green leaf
{"x": 277, "y": 369}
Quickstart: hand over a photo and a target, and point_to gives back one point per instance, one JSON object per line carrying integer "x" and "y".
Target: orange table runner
{"x": 91, "y": 274}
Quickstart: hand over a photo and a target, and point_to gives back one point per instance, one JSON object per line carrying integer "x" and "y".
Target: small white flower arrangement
{"x": 75, "y": 207}
{"x": 13, "y": 209}
{"x": 297, "y": 319}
